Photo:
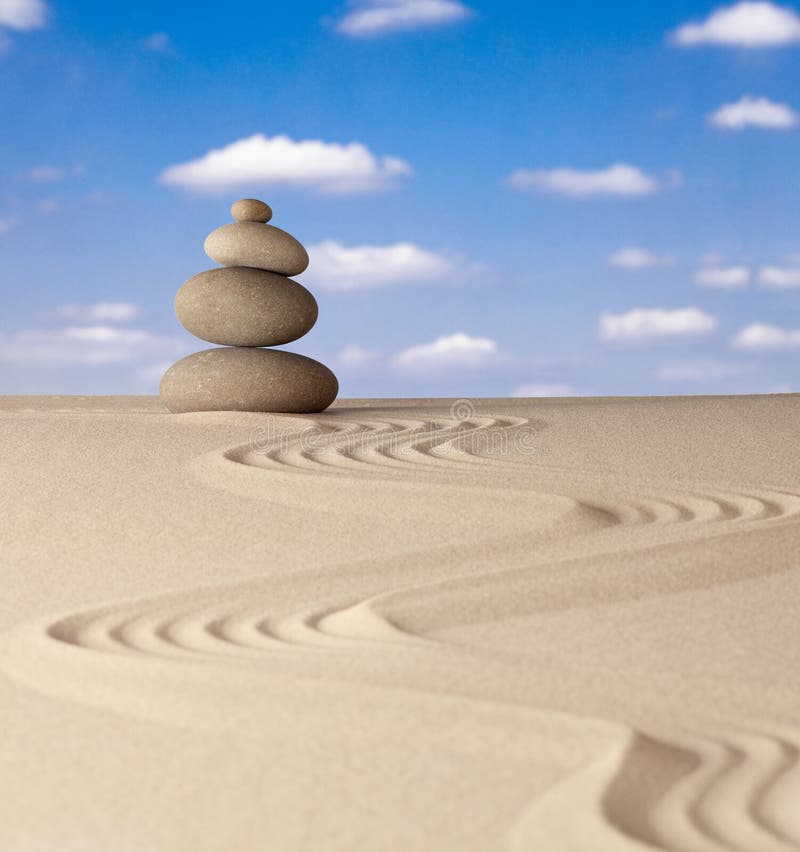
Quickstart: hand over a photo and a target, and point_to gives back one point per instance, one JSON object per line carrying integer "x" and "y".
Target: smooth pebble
{"x": 242, "y": 306}
{"x": 256, "y": 245}
{"x": 251, "y": 210}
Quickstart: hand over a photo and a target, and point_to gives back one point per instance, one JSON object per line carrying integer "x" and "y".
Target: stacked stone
{"x": 248, "y": 303}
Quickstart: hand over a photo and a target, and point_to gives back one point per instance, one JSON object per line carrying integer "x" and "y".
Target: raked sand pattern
{"x": 492, "y": 625}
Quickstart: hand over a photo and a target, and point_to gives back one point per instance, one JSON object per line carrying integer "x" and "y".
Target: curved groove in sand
{"x": 731, "y": 792}
{"x": 150, "y": 628}
{"x": 710, "y": 792}
{"x": 368, "y": 446}
{"x": 378, "y": 448}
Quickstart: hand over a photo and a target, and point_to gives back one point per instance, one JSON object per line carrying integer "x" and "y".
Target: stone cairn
{"x": 248, "y": 303}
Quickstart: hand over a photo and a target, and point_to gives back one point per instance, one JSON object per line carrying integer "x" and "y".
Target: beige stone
{"x": 242, "y": 306}
{"x": 257, "y": 245}
{"x": 251, "y": 210}
{"x": 246, "y": 379}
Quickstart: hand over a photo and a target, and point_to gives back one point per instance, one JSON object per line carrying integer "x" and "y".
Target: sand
{"x": 400, "y": 625}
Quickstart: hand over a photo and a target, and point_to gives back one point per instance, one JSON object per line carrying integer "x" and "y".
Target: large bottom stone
{"x": 234, "y": 379}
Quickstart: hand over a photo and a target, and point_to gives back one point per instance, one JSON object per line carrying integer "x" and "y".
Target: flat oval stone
{"x": 251, "y": 210}
{"x": 235, "y": 379}
{"x": 257, "y": 245}
{"x": 242, "y": 306}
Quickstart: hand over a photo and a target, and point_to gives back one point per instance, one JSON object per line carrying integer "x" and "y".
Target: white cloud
{"x": 641, "y": 324}
{"x": 723, "y": 277}
{"x": 48, "y": 205}
{"x": 6, "y": 224}
{"x": 453, "y": 350}
{"x": 699, "y": 371}
{"x": 544, "y": 389}
{"x": 638, "y": 258}
{"x": 617, "y": 180}
{"x": 23, "y": 14}
{"x": 779, "y": 277}
{"x": 261, "y": 161}
{"x": 44, "y": 174}
{"x": 354, "y": 356}
{"x": 100, "y": 312}
{"x": 754, "y": 112}
{"x": 337, "y": 267}
{"x": 746, "y": 24}
{"x": 761, "y": 335}
{"x": 375, "y": 17}
{"x": 93, "y": 345}
{"x": 157, "y": 43}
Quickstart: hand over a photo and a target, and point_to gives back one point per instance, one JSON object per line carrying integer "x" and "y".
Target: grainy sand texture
{"x": 401, "y": 625}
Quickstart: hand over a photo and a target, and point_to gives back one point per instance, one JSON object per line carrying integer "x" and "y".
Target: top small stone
{"x": 251, "y": 210}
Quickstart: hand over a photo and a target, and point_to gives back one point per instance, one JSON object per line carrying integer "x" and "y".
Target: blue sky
{"x": 498, "y": 197}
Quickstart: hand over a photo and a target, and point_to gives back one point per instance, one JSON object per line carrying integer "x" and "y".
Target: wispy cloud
{"x": 620, "y": 180}
{"x": 91, "y": 345}
{"x": 638, "y": 258}
{"x": 649, "y": 324}
{"x": 754, "y": 112}
{"x": 278, "y": 161}
{"x": 779, "y": 277}
{"x": 452, "y": 350}
{"x": 723, "y": 277}
{"x": 338, "y": 267}
{"x": 746, "y": 24}
{"x": 763, "y": 336}
{"x": 6, "y": 224}
{"x": 354, "y": 356}
{"x": 44, "y": 173}
{"x": 102, "y": 312}
{"x": 370, "y": 18}
{"x": 23, "y": 14}
{"x": 156, "y": 43}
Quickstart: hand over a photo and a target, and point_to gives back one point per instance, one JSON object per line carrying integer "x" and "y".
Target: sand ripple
{"x": 734, "y": 791}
